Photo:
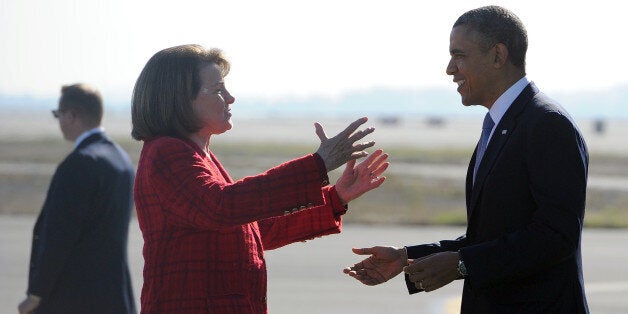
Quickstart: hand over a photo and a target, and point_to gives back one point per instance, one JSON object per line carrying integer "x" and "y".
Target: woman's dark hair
{"x": 165, "y": 89}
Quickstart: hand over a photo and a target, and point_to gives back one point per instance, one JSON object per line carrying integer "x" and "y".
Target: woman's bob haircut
{"x": 165, "y": 89}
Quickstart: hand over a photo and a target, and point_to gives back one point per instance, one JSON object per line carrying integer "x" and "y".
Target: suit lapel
{"x": 500, "y": 137}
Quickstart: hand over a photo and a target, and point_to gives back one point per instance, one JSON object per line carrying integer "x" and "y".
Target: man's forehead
{"x": 462, "y": 35}
{"x": 464, "y": 31}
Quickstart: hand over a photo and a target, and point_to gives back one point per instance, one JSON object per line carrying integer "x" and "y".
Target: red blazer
{"x": 204, "y": 235}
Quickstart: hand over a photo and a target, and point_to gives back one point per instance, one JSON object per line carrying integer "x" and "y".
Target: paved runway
{"x": 307, "y": 277}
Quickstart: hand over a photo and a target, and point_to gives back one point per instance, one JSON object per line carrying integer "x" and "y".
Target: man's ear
{"x": 501, "y": 55}
{"x": 71, "y": 116}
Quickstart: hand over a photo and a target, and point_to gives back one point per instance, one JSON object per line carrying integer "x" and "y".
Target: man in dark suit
{"x": 525, "y": 188}
{"x": 79, "y": 250}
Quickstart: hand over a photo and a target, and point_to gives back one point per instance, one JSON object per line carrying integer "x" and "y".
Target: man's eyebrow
{"x": 455, "y": 51}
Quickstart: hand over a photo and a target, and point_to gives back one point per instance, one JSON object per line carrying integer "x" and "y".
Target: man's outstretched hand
{"x": 383, "y": 264}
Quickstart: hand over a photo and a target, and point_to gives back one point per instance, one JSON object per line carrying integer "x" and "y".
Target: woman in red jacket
{"x": 204, "y": 234}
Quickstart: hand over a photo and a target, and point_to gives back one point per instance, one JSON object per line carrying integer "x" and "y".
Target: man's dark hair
{"x": 497, "y": 25}
{"x": 84, "y": 100}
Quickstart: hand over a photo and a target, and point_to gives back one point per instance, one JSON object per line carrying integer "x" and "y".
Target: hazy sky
{"x": 295, "y": 48}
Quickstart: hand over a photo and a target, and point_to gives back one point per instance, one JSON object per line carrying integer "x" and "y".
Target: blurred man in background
{"x": 79, "y": 250}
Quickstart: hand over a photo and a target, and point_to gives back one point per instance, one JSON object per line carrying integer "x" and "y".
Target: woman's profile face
{"x": 211, "y": 105}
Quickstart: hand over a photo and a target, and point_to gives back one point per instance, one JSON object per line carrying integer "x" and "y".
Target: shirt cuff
{"x": 34, "y": 297}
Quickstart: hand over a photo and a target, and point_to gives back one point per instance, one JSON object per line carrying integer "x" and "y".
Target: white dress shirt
{"x": 86, "y": 134}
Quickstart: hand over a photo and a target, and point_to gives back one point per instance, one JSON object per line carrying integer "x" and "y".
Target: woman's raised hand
{"x": 357, "y": 180}
{"x": 336, "y": 151}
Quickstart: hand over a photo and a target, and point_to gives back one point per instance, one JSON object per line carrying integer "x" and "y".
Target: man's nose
{"x": 451, "y": 67}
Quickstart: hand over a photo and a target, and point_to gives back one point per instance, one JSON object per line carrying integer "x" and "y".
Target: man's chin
{"x": 468, "y": 103}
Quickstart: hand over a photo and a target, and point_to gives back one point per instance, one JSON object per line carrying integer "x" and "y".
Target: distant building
{"x": 435, "y": 121}
{"x": 599, "y": 125}
{"x": 389, "y": 120}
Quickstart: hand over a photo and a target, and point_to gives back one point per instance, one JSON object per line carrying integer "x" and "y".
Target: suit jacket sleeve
{"x": 194, "y": 195}
{"x": 62, "y": 221}
{"x": 419, "y": 251}
{"x": 556, "y": 161}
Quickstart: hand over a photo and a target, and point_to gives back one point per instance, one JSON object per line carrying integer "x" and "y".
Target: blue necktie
{"x": 487, "y": 127}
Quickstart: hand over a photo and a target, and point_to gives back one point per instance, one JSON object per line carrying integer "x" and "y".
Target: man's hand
{"x": 433, "y": 271}
{"x": 357, "y": 180}
{"x": 383, "y": 264}
{"x": 29, "y": 305}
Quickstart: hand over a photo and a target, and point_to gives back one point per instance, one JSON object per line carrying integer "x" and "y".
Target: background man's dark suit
{"x": 525, "y": 214}
{"x": 79, "y": 250}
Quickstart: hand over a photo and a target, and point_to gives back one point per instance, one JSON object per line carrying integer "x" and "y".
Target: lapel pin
{"x": 504, "y": 132}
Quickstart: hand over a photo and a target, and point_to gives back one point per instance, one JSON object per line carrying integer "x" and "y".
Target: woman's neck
{"x": 201, "y": 140}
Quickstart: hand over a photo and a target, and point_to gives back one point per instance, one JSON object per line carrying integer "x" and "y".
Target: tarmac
{"x": 307, "y": 277}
